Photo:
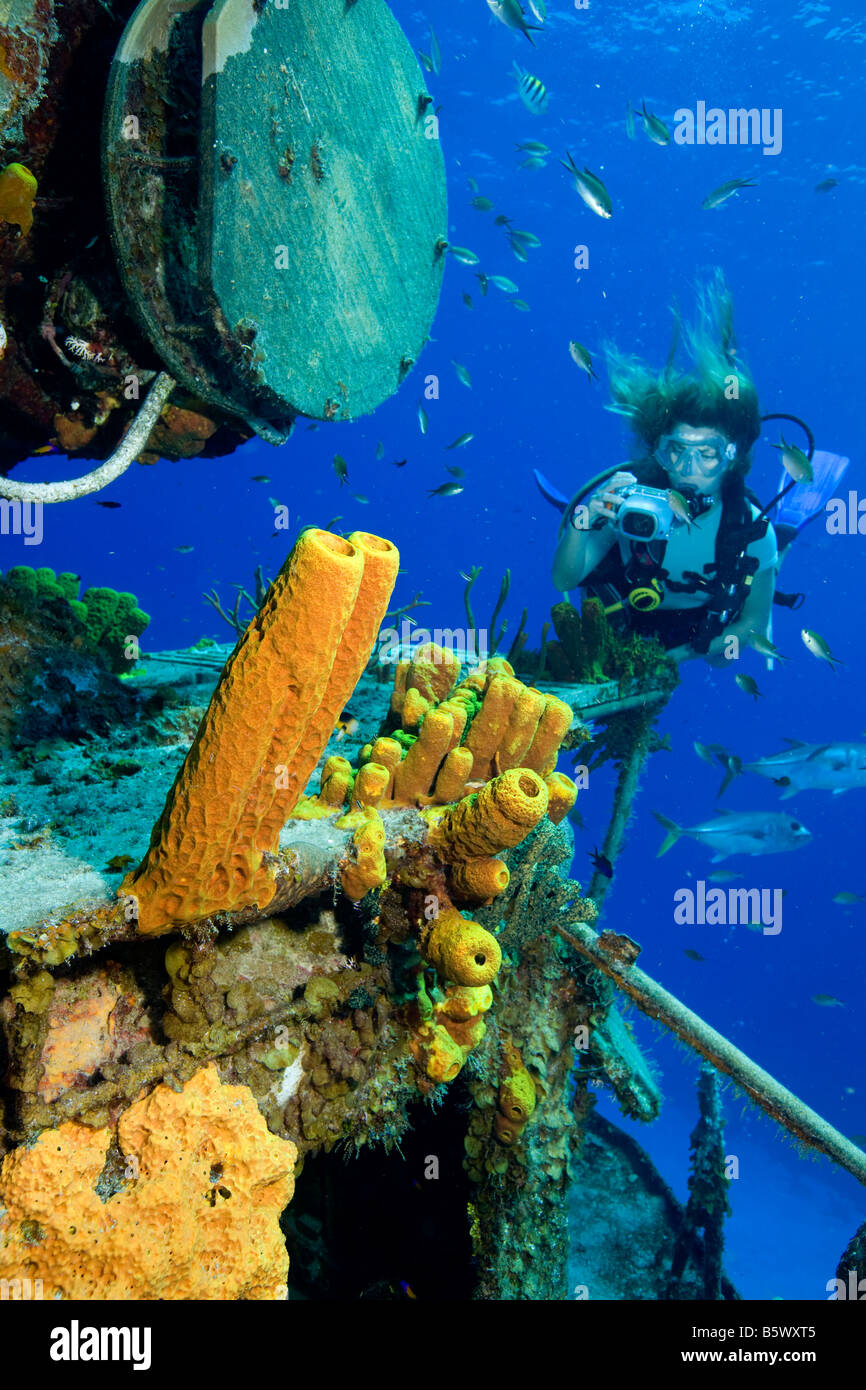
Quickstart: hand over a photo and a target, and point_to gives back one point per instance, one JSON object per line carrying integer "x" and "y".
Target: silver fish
{"x": 510, "y": 13}
{"x": 833, "y": 767}
{"x": 816, "y": 644}
{"x": 590, "y": 188}
{"x": 739, "y": 832}
{"x": 724, "y": 191}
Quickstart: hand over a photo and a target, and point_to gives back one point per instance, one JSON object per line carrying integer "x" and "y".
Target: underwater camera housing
{"x": 645, "y": 514}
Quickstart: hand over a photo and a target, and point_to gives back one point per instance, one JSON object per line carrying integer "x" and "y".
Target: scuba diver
{"x": 673, "y": 544}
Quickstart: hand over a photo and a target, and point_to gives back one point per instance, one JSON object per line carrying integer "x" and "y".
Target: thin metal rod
{"x": 780, "y": 1103}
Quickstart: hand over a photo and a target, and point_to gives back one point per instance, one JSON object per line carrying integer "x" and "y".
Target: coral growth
{"x": 181, "y": 1201}
{"x": 57, "y": 653}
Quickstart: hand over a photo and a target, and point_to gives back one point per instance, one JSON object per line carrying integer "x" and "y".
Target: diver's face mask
{"x": 695, "y": 458}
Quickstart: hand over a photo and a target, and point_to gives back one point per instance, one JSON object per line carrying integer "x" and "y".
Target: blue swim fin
{"x": 804, "y": 502}
{"x": 550, "y": 493}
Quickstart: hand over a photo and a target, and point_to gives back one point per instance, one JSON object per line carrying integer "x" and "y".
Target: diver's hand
{"x": 604, "y": 504}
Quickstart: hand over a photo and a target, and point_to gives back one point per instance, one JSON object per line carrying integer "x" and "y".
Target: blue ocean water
{"x": 792, "y": 258}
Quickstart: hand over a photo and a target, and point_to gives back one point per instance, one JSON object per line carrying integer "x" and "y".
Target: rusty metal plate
{"x": 321, "y": 200}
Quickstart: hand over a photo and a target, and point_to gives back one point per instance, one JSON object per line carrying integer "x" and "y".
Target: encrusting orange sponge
{"x": 267, "y": 724}
{"x": 194, "y": 1214}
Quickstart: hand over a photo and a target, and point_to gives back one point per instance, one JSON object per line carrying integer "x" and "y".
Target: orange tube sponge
{"x": 506, "y": 1131}
{"x": 522, "y": 724}
{"x": 336, "y": 780}
{"x": 453, "y": 775}
{"x": 479, "y": 880}
{"x": 498, "y": 817}
{"x": 201, "y": 1186}
{"x": 371, "y": 784}
{"x": 417, "y": 772}
{"x": 461, "y": 950}
{"x": 491, "y": 721}
{"x": 561, "y": 796}
{"x": 366, "y": 868}
{"x": 264, "y": 731}
{"x": 553, "y": 725}
{"x": 432, "y": 671}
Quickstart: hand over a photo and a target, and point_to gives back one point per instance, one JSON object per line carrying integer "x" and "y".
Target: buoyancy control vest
{"x": 634, "y": 573}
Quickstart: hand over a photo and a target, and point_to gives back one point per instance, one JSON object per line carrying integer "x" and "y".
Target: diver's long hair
{"x": 718, "y": 390}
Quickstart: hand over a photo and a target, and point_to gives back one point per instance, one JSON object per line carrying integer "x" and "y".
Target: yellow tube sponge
{"x": 264, "y": 731}
{"x": 199, "y": 1189}
{"x": 522, "y": 724}
{"x": 517, "y": 1095}
{"x": 17, "y": 192}
{"x": 461, "y": 950}
{"x": 366, "y": 867}
{"x": 453, "y": 775}
{"x": 479, "y": 880}
{"x": 463, "y": 1002}
{"x": 371, "y": 784}
{"x": 336, "y": 780}
{"x": 436, "y": 1052}
{"x": 553, "y": 725}
{"x": 416, "y": 774}
{"x": 561, "y": 796}
{"x": 497, "y": 817}
{"x": 386, "y": 751}
{"x": 491, "y": 721}
{"x": 413, "y": 710}
{"x": 432, "y": 671}
{"x": 398, "y": 694}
